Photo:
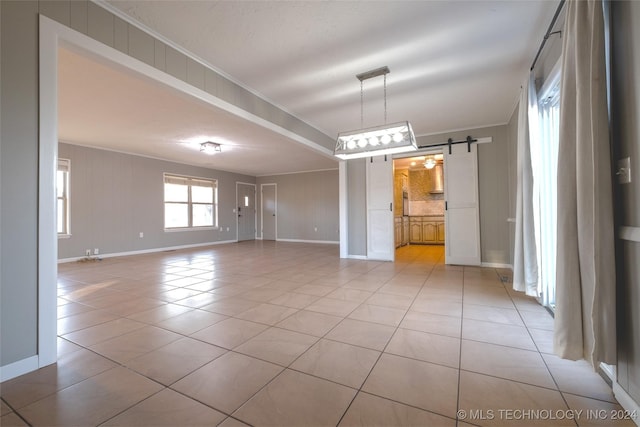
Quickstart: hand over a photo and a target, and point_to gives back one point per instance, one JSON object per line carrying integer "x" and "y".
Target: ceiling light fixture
{"x": 209, "y": 147}
{"x": 378, "y": 140}
{"x": 430, "y": 163}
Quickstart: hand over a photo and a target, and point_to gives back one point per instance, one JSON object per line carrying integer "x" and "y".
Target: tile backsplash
{"x": 426, "y": 207}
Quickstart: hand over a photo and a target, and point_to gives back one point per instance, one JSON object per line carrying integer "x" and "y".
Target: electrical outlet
{"x": 141, "y": 234}
{"x": 315, "y": 229}
{"x": 96, "y": 251}
{"x": 88, "y": 252}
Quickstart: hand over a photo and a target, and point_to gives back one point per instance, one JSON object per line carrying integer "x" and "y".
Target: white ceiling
{"x": 454, "y": 65}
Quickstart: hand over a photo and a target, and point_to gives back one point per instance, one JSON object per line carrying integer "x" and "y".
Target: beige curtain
{"x": 525, "y": 263}
{"x": 585, "y": 288}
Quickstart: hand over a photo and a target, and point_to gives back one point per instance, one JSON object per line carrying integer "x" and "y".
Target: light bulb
{"x": 351, "y": 144}
{"x": 373, "y": 141}
{"x": 397, "y": 137}
{"x": 362, "y": 142}
{"x": 385, "y": 139}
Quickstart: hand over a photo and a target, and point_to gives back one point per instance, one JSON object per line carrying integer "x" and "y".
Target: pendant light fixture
{"x": 378, "y": 140}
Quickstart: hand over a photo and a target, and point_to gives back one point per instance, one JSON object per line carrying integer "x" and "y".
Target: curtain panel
{"x": 525, "y": 265}
{"x": 585, "y": 294}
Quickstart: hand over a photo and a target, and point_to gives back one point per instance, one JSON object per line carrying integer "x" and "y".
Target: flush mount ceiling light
{"x": 209, "y": 147}
{"x": 378, "y": 140}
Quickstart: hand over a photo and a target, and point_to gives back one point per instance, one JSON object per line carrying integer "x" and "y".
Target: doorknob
{"x": 274, "y": 214}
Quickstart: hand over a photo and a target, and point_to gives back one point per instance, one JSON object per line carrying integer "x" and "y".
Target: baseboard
{"x": 18, "y": 368}
{"x": 364, "y": 257}
{"x": 624, "y": 399}
{"x": 147, "y": 251}
{"x": 496, "y": 265}
{"x": 627, "y": 402}
{"x": 329, "y": 242}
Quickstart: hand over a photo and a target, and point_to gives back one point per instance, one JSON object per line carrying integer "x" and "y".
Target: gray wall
{"x": 19, "y": 181}
{"x": 19, "y": 139}
{"x": 115, "y": 196}
{"x": 626, "y": 136}
{"x": 305, "y": 201}
{"x": 357, "y": 207}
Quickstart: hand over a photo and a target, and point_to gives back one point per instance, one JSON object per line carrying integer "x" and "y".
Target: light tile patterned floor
{"x": 288, "y": 334}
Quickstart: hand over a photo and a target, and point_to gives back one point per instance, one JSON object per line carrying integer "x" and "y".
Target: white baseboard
{"x": 148, "y": 251}
{"x": 496, "y": 265}
{"x": 364, "y": 257}
{"x": 329, "y": 242}
{"x": 18, "y": 368}
{"x": 626, "y": 402}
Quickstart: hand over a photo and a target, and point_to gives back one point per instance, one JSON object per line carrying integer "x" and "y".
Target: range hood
{"x": 437, "y": 179}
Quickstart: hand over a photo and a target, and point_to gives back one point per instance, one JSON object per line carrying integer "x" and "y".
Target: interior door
{"x": 269, "y": 205}
{"x": 380, "y": 227}
{"x": 462, "y": 213}
{"x": 246, "y": 211}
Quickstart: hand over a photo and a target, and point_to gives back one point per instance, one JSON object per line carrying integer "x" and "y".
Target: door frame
{"x": 275, "y": 202}
{"x": 255, "y": 213}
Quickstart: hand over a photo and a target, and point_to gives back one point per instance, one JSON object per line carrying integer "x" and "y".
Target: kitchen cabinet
{"x": 401, "y": 230}
{"x": 397, "y": 222}
{"x": 427, "y": 230}
{"x": 405, "y": 230}
{"x": 440, "y": 237}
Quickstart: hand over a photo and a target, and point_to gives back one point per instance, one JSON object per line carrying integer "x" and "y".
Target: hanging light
{"x": 209, "y": 147}
{"x": 430, "y": 163}
{"x": 378, "y": 140}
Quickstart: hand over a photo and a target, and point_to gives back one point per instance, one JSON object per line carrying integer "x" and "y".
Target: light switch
{"x": 624, "y": 171}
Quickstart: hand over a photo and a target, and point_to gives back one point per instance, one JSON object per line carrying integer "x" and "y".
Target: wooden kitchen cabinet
{"x": 398, "y": 231}
{"x": 440, "y": 237}
{"x": 415, "y": 231}
{"x": 426, "y": 230}
{"x": 405, "y": 230}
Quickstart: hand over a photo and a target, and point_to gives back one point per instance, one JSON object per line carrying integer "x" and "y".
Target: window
{"x": 190, "y": 202}
{"x": 62, "y": 194}
{"x": 545, "y": 185}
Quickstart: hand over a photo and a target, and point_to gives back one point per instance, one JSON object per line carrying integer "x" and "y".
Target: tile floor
{"x": 288, "y": 334}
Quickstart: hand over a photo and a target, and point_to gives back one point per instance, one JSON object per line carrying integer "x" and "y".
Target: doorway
{"x": 419, "y": 212}
{"x": 246, "y": 211}
{"x": 269, "y": 194}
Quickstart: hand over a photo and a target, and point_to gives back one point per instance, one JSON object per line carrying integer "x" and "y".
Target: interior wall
{"x": 307, "y": 205}
{"x": 357, "y": 207}
{"x": 116, "y": 196}
{"x": 19, "y": 180}
{"x": 19, "y": 140}
{"x": 493, "y": 188}
{"x": 625, "y": 104}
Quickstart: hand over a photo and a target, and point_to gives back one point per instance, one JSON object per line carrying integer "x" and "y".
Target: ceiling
{"x": 454, "y": 65}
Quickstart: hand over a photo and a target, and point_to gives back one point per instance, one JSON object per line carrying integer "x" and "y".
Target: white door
{"x": 380, "y": 227}
{"x": 246, "y": 211}
{"x": 269, "y": 204}
{"x": 462, "y": 216}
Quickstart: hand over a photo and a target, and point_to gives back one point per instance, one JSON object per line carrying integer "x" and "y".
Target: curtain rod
{"x": 548, "y": 33}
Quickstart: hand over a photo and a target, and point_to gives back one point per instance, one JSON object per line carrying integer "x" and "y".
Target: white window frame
{"x": 192, "y": 181}
{"x": 64, "y": 165}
